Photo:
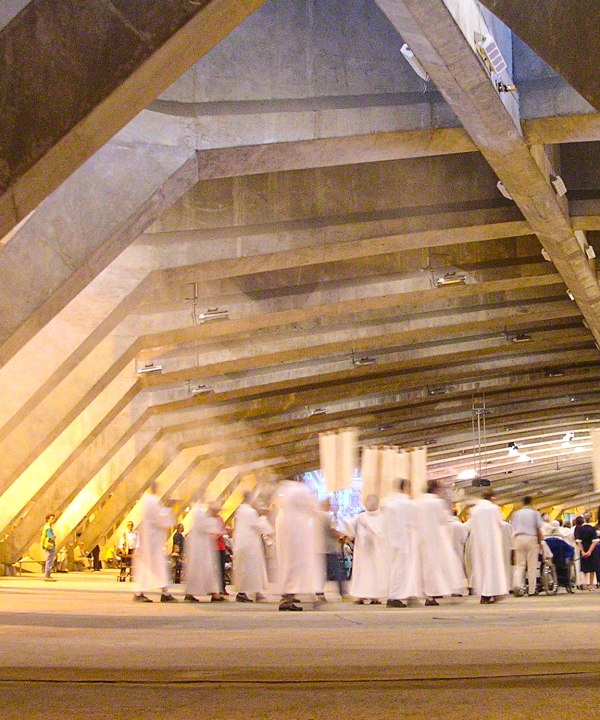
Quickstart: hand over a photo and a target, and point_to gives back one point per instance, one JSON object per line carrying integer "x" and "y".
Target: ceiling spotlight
{"x": 357, "y": 361}
{"x": 504, "y": 88}
{"x": 316, "y": 411}
{"x": 414, "y": 63}
{"x": 469, "y": 474}
{"x": 385, "y": 426}
{"x": 200, "y": 389}
{"x": 559, "y": 185}
{"x": 437, "y": 391}
{"x": 451, "y": 278}
{"x": 213, "y": 314}
{"x": 503, "y": 191}
{"x": 554, "y": 373}
{"x": 589, "y": 251}
{"x": 570, "y": 294}
{"x": 520, "y": 338}
{"x": 149, "y": 368}
{"x": 546, "y": 255}
{"x": 490, "y": 54}
{"x": 567, "y": 438}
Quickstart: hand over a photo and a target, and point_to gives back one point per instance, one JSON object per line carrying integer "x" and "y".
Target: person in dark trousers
{"x": 177, "y": 553}
{"x": 96, "y": 564}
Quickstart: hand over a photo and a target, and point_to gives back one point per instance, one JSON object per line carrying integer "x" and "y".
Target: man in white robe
{"x": 459, "y": 532}
{"x": 440, "y": 571}
{"x": 202, "y": 569}
{"x": 400, "y": 529}
{"x": 370, "y": 566}
{"x": 487, "y": 550}
{"x": 249, "y": 564}
{"x": 296, "y": 540}
{"x": 150, "y": 565}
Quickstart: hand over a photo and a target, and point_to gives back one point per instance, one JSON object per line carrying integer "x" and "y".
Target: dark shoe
{"x": 360, "y": 601}
{"x": 167, "y": 598}
{"x": 242, "y": 597}
{"x": 430, "y": 602}
{"x": 191, "y": 599}
{"x": 395, "y": 604}
{"x": 485, "y": 600}
{"x": 141, "y": 598}
{"x": 292, "y": 607}
{"x": 217, "y": 598}
{"x": 375, "y": 602}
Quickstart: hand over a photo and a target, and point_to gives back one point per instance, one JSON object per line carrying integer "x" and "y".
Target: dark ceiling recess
{"x": 569, "y": 43}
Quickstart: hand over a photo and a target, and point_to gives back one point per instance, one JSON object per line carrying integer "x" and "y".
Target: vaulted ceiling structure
{"x": 281, "y": 164}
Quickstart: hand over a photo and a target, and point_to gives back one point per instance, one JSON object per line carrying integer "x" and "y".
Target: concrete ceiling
{"x": 302, "y": 177}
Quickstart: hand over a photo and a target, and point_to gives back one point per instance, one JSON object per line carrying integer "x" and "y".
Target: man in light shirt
{"x": 527, "y": 531}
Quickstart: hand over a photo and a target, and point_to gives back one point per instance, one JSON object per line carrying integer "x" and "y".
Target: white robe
{"x": 296, "y": 540}
{"x": 487, "y": 550}
{"x": 249, "y": 565}
{"x": 202, "y": 573}
{"x": 150, "y": 565}
{"x": 458, "y": 536}
{"x": 370, "y": 565}
{"x": 400, "y": 528}
{"x": 441, "y": 572}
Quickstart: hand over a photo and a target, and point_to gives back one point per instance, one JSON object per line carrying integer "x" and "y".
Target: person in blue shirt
{"x": 49, "y": 547}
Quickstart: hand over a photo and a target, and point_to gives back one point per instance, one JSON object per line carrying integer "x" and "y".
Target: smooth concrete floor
{"x": 81, "y": 648}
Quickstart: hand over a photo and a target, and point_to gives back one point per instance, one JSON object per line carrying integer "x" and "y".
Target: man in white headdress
{"x": 150, "y": 566}
{"x": 370, "y": 565}
{"x": 249, "y": 564}
{"x": 440, "y": 571}
{"x": 296, "y": 540}
{"x": 487, "y": 549}
{"x": 202, "y": 569}
{"x": 400, "y": 528}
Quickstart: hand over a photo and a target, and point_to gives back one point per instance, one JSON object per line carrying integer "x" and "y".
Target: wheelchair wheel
{"x": 549, "y": 579}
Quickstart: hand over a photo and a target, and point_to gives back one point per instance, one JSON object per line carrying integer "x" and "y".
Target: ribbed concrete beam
{"x": 441, "y": 47}
{"x": 114, "y": 60}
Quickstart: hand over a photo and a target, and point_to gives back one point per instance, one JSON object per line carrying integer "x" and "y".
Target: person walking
{"x": 487, "y": 549}
{"x": 149, "y": 562}
{"x": 527, "y": 530}
{"x": 400, "y": 526}
{"x": 49, "y": 547}
{"x": 249, "y": 563}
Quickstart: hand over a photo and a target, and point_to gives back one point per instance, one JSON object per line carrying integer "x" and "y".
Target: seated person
{"x": 562, "y": 554}
{"x": 80, "y": 560}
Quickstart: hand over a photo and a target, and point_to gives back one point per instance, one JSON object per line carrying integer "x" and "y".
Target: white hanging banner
{"x": 595, "y": 435}
{"x": 368, "y": 471}
{"x": 387, "y": 475}
{"x": 418, "y": 471}
{"x": 346, "y": 457}
{"x": 338, "y": 455}
{"x": 383, "y": 465}
{"x": 327, "y": 453}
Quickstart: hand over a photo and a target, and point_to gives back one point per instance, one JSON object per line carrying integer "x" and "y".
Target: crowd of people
{"x": 403, "y": 549}
{"x": 396, "y": 551}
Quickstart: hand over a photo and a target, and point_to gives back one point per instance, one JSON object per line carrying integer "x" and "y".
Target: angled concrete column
{"x": 113, "y": 62}
{"x": 112, "y": 199}
{"x": 73, "y": 490}
{"x": 443, "y": 41}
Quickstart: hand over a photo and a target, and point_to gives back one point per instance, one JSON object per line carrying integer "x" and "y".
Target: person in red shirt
{"x": 222, "y": 548}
